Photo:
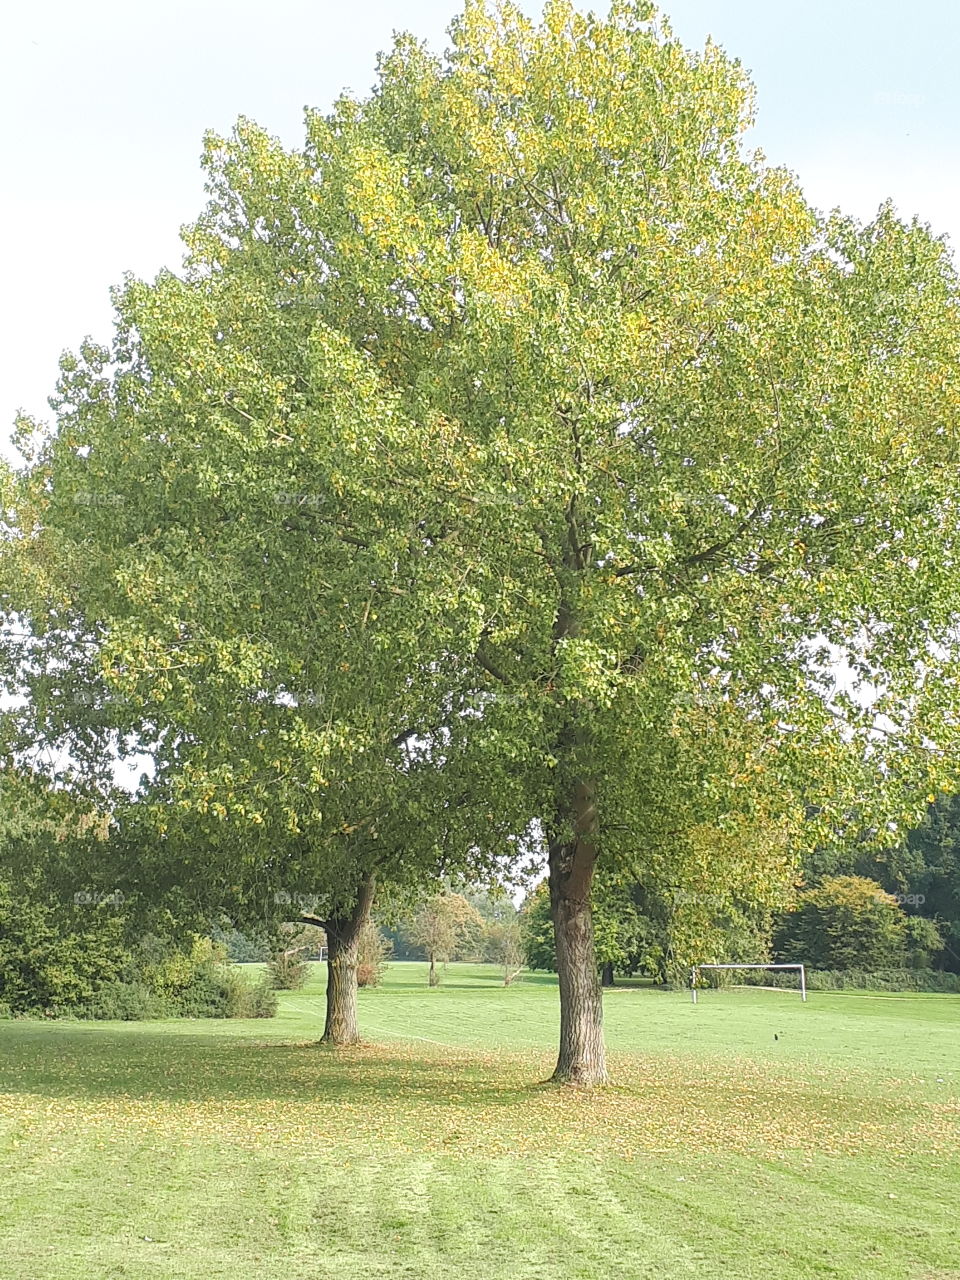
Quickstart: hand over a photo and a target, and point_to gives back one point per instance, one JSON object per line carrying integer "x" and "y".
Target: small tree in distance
{"x": 503, "y": 944}
{"x": 439, "y": 925}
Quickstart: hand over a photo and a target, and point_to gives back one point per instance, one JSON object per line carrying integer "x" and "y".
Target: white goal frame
{"x": 696, "y": 970}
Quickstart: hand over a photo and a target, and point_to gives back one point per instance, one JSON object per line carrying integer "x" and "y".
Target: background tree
{"x": 922, "y": 870}
{"x": 709, "y": 895}
{"x": 927, "y": 870}
{"x": 241, "y": 947}
{"x": 372, "y": 955}
{"x": 923, "y": 942}
{"x": 845, "y": 922}
{"x": 618, "y": 931}
{"x": 439, "y": 925}
{"x": 503, "y": 945}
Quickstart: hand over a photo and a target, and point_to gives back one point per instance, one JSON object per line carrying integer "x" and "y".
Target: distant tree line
{"x": 863, "y": 911}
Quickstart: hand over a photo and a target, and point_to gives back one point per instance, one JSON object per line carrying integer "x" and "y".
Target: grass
{"x": 750, "y": 1137}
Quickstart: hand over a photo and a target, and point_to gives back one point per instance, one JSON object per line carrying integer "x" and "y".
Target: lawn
{"x": 750, "y": 1137}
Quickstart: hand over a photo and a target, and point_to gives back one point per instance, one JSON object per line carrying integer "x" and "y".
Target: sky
{"x": 104, "y": 106}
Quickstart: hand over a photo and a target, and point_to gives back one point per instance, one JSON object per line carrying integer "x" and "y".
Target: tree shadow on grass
{"x": 150, "y": 1065}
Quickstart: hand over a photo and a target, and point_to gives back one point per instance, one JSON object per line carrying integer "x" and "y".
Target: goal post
{"x": 699, "y": 968}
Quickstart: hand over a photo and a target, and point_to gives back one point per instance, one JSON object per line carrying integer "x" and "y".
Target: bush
{"x": 54, "y": 955}
{"x": 288, "y": 970}
{"x": 288, "y": 967}
{"x": 372, "y": 957}
{"x": 261, "y": 1000}
{"x": 216, "y": 991}
{"x": 62, "y": 959}
{"x": 931, "y": 980}
{"x": 126, "y": 1002}
{"x": 221, "y": 990}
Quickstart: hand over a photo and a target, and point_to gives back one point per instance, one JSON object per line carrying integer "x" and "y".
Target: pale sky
{"x": 104, "y": 105}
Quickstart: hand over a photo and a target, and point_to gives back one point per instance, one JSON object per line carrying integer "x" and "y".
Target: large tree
{"x": 525, "y": 394}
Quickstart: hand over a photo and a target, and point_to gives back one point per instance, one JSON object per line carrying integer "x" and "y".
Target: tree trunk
{"x": 582, "y": 1057}
{"x": 434, "y": 980}
{"x": 606, "y": 975}
{"x": 343, "y": 949}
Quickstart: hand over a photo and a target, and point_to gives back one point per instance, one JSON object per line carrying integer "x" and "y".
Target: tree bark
{"x": 433, "y": 980}
{"x": 343, "y": 949}
{"x": 582, "y": 1058}
{"x": 606, "y": 975}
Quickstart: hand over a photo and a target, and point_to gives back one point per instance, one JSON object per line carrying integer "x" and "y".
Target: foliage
{"x": 660, "y": 930}
{"x": 372, "y": 957}
{"x": 617, "y": 925}
{"x": 287, "y": 970}
{"x": 922, "y": 871}
{"x": 259, "y": 1000}
{"x": 55, "y": 955}
{"x": 502, "y": 944}
{"x": 439, "y": 925}
{"x": 126, "y": 1000}
{"x": 933, "y": 980}
{"x": 478, "y": 944}
{"x": 845, "y": 922}
{"x": 923, "y": 941}
{"x": 241, "y": 947}
{"x": 288, "y": 967}
{"x": 79, "y": 960}
{"x": 912, "y": 979}
{"x": 536, "y": 930}
{"x": 930, "y": 859}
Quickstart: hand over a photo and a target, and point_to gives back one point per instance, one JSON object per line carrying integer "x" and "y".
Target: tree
{"x": 55, "y": 956}
{"x": 372, "y": 955}
{"x": 524, "y": 402}
{"x": 709, "y": 898}
{"x": 928, "y": 864}
{"x": 924, "y": 942}
{"x": 344, "y": 931}
{"x": 284, "y": 786}
{"x": 536, "y": 930}
{"x": 503, "y": 945}
{"x": 439, "y": 925}
{"x": 288, "y": 966}
{"x": 846, "y": 922}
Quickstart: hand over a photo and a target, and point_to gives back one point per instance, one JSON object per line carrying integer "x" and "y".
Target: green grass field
{"x": 751, "y": 1137}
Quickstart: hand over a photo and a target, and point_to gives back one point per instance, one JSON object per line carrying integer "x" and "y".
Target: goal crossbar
{"x": 698, "y": 968}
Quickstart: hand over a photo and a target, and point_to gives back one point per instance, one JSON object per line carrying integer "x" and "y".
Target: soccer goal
{"x": 700, "y": 968}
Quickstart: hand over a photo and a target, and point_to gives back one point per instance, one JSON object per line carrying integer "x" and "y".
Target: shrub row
{"x": 215, "y": 992}
{"x": 935, "y": 980}
{"x": 932, "y": 980}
